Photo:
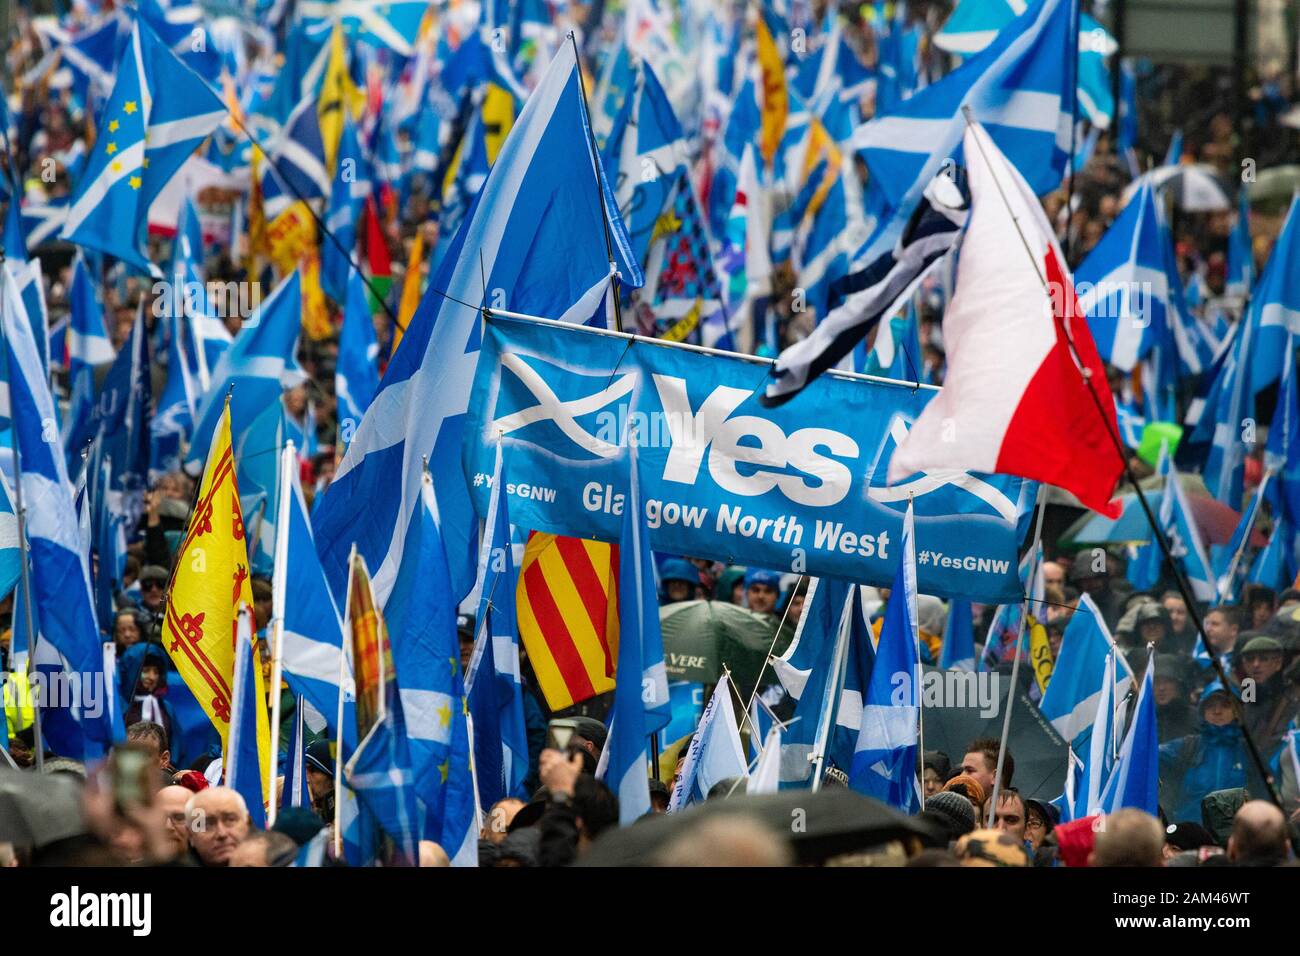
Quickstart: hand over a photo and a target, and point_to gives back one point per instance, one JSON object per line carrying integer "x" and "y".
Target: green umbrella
{"x": 1276, "y": 183}
{"x": 703, "y": 637}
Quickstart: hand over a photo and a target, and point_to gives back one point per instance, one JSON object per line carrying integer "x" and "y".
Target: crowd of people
{"x": 1213, "y": 720}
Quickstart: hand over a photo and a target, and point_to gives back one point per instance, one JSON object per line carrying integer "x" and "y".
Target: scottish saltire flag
{"x": 188, "y": 300}
{"x": 494, "y": 687}
{"x": 258, "y": 365}
{"x": 641, "y": 704}
{"x": 1126, "y": 133}
{"x": 1185, "y": 543}
{"x": 257, "y": 476}
{"x": 832, "y": 71}
{"x": 1020, "y": 88}
{"x": 121, "y": 423}
{"x": 646, "y": 153}
{"x": 10, "y": 552}
{"x": 1092, "y": 755}
{"x": 44, "y": 220}
{"x": 715, "y": 753}
{"x": 60, "y": 581}
{"x": 394, "y": 24}
{"x": 1124, "y": 286}
{"x": 1282, "y": 457}
{"x": 1241, "y": 253}
{"x": 179, "y": 402}
{"x": 348, "y": 192}
{"x": 87, "y": 347}
{"x": 90, "y": 56}
{"x": 421, "y": 615}
{"x": 974, "y": 24}
{"x": 310, "y": 624}
{"x": 884, "y": 760}
{"x": 958, "y": 652}
{"x": 543, "y": 264}
{"x": 158, "y": 114}
{"x": 766, "y": 777}
{"x": 828, "y": 716}
{"x": 241, "y": 763}
{"x": 1227, "y": 560}
{"x": 1096, "y": 102}
{"x": 1135, "y": 779}
{"x": 1070, "y": 701}
{"x": 379, "y": 773}
{"x": 896, "y": 351}
{"x": 106, "y": 532}
{"x": 471, "y": 172}
{"x": 295, "y": 167}
{"x": 356, "y": 373}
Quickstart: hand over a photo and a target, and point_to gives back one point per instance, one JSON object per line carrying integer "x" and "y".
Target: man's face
{"x": 678, "y": 590}
{"x": 171, "y": 803}
{"x": 1152, "y": 632}
{"x": 1167, "y": 691}
{"x": 762, "y": 597}
{"x": 976, "y": 765}
{"x": 1218, "y": 711}
{"x": 151, "y": 593}
{"x": 466, "y": 652}
{"x": 217, "y": 824}
{"x": 150, "y": 743}
{"x": 1035, "y": 828}
{"x": 1261, "y": 665}
{"x": 1260, "y": 612}
{"x": 933, "y": 782}
{"x": 1177, "y": 612}
{"x": 320, "y": 784}
{"x": 1053, "y": 573}
{"x": 1219, "y": 631}
{"x": 796, "y": 606}
{"x": 1010, "y": 817}
{"x": 497, "y": 822}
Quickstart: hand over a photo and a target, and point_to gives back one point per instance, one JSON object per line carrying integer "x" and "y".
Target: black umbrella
{"x": 829, "y": 823}
{"x": 1038, "y": 749}
{"x": 39, "y": 809}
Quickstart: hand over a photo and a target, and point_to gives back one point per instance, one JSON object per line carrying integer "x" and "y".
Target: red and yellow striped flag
{"x": 567, "y": 606}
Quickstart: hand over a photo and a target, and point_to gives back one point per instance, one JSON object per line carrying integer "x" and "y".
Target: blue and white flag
{"x": 356, "y": 373}
{"x": 1092, "y": 755}
{"x": 394, "y": 24}
{"x": 88, "y": 347}
{"x": 60, "y": 580}
{"x": 1241, "y": 252}
{"x": 554, "y": 266}
{"x": 421, "y": 618}
{"x": 974, "y": 24}
{"x": 645, "y": 153}
{"x": 958, "y": 652}
{"x": 1178, "y": 525}
{"x": 1135, "y": 779}
{"x": 295, "y": 167}
{"x": 311, "y": 628}
{"x": 159, "y": 113}
{"x": 641, "y": 704}
{"x": 1070, "y": 701}
{"x": 1124, "y": 286}
{"x": 121, "y": 422}
{"x": 348, "y": 192}
{"x": 44, "y": 220}
{"x": 10, "y": 550}
{"x": 1096, "y": 102}
{"x": 1020, "y": 88}
{"x": 715, "y": 753}
{"x": 884, "y": 760}
{"x": 241, "y": 763}
{"x": 494, "y": 686}
{"x": 259, "y": 365}
{"x": 379, "y": 773}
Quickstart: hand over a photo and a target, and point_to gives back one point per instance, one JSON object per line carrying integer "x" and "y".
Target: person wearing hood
{"x": 1214, "y": 758}
{"x": 730, "y": 586}
{"x": 1152, "y": 626}
{"x": 142, "y": 679}
{"x": 1175, "y": 715}
{"x": 678, "y": 581}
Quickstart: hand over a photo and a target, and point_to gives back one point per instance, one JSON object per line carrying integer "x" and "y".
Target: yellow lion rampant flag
{"x": 209, "y": 585}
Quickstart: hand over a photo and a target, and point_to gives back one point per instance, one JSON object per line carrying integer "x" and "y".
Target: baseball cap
{"x": 762, "y": 577}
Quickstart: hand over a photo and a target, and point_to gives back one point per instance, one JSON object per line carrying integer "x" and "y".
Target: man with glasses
{"x": 153, "y": 588}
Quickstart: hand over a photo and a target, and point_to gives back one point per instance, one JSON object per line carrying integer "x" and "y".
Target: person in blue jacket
{"x": 1215, "y": 758}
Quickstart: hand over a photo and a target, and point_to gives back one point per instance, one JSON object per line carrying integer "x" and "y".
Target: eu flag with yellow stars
{"x": 159, "y": 113}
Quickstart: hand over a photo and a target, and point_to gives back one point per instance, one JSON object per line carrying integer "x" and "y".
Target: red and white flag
{"x": 1015, "y": 399}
